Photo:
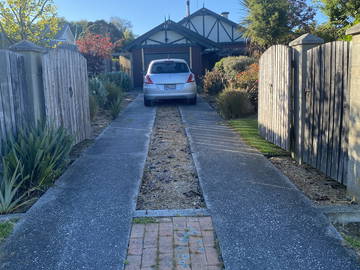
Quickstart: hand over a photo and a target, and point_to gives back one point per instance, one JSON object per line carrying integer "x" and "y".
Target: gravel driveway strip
{"x": 170, "y": 179}
{"x": 261, "y": 219}
{"x": 84, "y": 221}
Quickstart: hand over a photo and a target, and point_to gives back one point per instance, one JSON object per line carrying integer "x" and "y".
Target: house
{"x": 201, "y": 39}
{"x": 64, "y": 35}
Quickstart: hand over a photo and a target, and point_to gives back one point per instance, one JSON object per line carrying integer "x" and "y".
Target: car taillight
{"x": 191, "y": 78}
{"x": 148, "y": 80}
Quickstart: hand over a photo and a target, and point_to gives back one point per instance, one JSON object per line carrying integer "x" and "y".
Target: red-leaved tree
{"x": 96, "y": 49}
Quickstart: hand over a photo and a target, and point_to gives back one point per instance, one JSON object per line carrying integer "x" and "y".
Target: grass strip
{"x": 248, "y": 130}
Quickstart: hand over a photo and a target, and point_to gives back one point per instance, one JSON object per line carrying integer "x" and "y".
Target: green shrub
{"x": 248, "y": 80}
{"x": 11, "y": 194}
{"x": 234, "y": 104}
{"x": 115, "y": 107}
{"x": 234, "y": 64}
{"x": 94, "y": 107}
{"x": 120, "y": 79}
{"x": 114, "y": 92}
{"x": 213, "y": 82}
{"x": 43, "y": 153}
{"x": 98, "y": 90}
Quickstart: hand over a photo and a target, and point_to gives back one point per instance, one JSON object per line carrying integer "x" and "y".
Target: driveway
{"x": 261, "y": 219}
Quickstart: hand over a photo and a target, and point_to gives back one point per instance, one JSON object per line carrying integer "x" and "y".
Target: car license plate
{"x": 170, "y": 86}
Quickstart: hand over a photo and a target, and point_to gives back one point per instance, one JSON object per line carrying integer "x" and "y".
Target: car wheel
{"x": 147, "y": 102}
{"x": 193, "y": 101}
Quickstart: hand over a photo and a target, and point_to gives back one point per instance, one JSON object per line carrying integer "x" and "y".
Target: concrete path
{"x": 84, "y": 221}
{"x": 262, "y": 221}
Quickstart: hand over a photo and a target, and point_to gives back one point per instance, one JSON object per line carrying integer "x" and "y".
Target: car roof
{"x": 168, "y": 59}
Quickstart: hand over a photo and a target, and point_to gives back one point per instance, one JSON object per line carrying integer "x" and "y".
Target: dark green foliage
{"x": 115, "y": 107}
{"x": 114, "y": 92}
{"x": 120, "y": 79}
{"x": 342, "y": 15}
{"x": 12, "y": 196}
{"x": 41, "y": 151}
{"x": 6, "y": 229}
{"x": 234, "y": 64}
{"x": 213, "y": 82}
{"x": 98, "y": 90}
{"x": 234, "y": 104}
{"x": 269, "y": 22}
{"x": 231, "y": 66}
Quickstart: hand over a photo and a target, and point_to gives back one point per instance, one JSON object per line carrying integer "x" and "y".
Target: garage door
{"x": 155, "y": 56}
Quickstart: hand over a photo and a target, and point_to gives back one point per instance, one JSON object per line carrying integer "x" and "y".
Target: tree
{"x": 96, "y": 49}
{"x": 342, "y": 14}
{"x": 34, "y": 20}
{"x": 269, "y": 22}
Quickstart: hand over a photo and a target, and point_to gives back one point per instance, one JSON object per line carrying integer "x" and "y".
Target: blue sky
{"x": 143, "y": 14}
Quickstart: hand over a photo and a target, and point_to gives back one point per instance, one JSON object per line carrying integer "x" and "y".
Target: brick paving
{"x": 177, "y": 243}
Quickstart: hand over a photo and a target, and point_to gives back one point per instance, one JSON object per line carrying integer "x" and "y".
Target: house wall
{"x": 214, "y": 29}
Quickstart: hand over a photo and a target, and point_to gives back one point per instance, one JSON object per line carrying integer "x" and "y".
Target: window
{"x": 169, "y": 67}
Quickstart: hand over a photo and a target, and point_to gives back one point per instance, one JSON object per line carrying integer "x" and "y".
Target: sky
{"x": 143, "y": 14}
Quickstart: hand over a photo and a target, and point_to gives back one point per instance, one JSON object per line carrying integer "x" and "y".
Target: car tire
{"x": 147, "y": 102}
{"x": 193, "y": 101}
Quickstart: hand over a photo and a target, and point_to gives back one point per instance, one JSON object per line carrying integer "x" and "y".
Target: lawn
{"x": 248, "y": 130}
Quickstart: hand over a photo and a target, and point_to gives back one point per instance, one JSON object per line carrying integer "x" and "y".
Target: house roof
{"x": 205, "y": 11}
{"x": 60, "y": 34}
{"x": 173, "y": 26}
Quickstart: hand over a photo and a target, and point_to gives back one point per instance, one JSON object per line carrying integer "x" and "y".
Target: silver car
{"x": 169, "y": 79}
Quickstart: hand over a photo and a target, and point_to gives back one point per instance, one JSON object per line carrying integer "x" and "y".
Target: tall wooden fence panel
{"x": 327, "y": 109}
{"x": 66, "y": 92}
{"x": 275, "y": 95}
{"x": 13, "y": 94}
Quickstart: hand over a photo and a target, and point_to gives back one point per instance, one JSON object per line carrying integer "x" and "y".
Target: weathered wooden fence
{"x": 275, "y": 95}
{"x": 57, "y": 78}
{"x": 66, "y": 92}
{"x": 327, "y": 109}
{"x": 13, "y": 94}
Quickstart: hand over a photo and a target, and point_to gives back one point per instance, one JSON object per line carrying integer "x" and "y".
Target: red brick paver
{"x": 186, "y": 243}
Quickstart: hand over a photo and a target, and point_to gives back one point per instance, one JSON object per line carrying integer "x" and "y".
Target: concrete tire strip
{"x": 84, "y": 221}
{"x": 261, "y": 219}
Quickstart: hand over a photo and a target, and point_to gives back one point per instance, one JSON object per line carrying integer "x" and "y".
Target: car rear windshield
{"x": 169, "y": 67}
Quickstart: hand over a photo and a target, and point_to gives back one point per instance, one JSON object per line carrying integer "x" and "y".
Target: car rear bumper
{"x": 151, "y": 92}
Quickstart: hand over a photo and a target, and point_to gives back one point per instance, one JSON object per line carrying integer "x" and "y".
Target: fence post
{"x": 300, "y": 45}
{"x": 353, "y": 176}
{"x": 33, "y": 70}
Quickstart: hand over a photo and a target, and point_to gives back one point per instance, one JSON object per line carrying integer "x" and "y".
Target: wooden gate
{"x": 327, "y": 109}
{"x": 13, "y": 110}
{"x": 66, "y": 92}
{"x": 275, "y": 95}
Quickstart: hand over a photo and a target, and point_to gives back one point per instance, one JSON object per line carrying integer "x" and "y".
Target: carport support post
{"x": 353, "y": 177}
{"x": 300, "y": 47}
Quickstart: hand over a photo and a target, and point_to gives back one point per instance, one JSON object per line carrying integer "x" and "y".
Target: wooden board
{"x": 66, "y": 92}
{"x": 327, "y": 110}
{"x": 275, "y": 95}
{"x": 13, "y": 94}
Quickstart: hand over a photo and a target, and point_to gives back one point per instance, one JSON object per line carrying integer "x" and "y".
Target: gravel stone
{"x": 170, "y": 179}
